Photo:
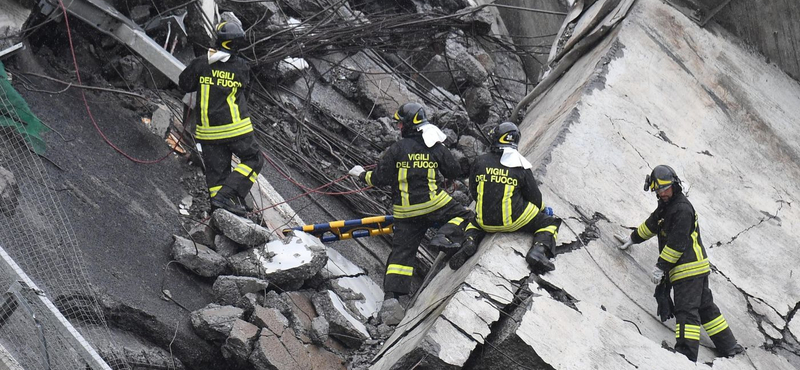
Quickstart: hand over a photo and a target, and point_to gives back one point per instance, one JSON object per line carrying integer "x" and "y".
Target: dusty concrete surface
{"x": 658, "y": 89}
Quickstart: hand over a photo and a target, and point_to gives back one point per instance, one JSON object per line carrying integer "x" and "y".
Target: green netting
{"x": 22, "y": 119}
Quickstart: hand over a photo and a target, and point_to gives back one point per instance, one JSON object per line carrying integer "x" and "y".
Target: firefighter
{"x": 223, "y": 125}
{"x": 507, "y": 199}
{"x": 684, "y": 262}
{"x": 411, "y": 167}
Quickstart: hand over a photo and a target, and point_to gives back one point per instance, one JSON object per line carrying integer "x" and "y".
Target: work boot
{"x": 228, "y": 204}
{"x": 443, "y": 244}
{"x": 735, "y": 350}
{"x": 464, "y": 253}
{"x": 537, "y": 259}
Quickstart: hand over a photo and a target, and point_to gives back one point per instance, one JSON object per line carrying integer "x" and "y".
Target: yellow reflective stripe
{"x": 479, "y": 204}
{"x": 234, "y": 108}
{"x": 691, "y": 331}
{"x": 456, "y": 221}
{"x": 471, "y": 226}
{"x": 689, "y": 269}
{"x": 506, "y": 205}
{"x": 432, "y": 182}
{"x": 399, "y": 270}
{"x": 224, "y": 131}
{"x": 419, "y": 209}
{"x": 368, "y": 178}
{"x": 715, "y": 326}
{"x": 246, "y": 171}
{"x": 527, "y": 215}
{"x": 670, "y": 255}
{"x": 698, "y": 250}
{"x": 212, "y": 191}
{"x": 204, "y": 91}
{"x": 644, "y": 231}
{"x": 402, "y": 185}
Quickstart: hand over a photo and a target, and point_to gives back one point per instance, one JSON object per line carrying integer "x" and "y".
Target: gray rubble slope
{"x": 658, "y": 89}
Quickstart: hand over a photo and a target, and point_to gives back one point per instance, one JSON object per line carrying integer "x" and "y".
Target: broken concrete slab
{"x": 281, "y": 263}
{"x": 203, "y": 234}
{"x": 240, "y": 229}
{"x": 794, "y": 327}
{"x": 228, "y": 290}
{"x": 288, "y": 353}
{"x": 351, "y": 283}
{"x": 9, "y": 192}
{"x": 214, "y": 322}
{"x": 320, "y": 330}
{"x": 198, "y": 258}
{"x": 161, "y": 120}
{"x": 270, "y": 319}
{"x": 239, "y": 344}
{"x": 343, "y": 326}
{"x": 385, "y": 92}
{"x": 226, "y": 247}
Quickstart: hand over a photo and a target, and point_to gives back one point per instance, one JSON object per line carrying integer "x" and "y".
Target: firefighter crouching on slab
{"x": 223, "y": 124}
{"x": 507, "y": 199}
{"x": 411, "y": 166}
{"x": 684, "y": 262}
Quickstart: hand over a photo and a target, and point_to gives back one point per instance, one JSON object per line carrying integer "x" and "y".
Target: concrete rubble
{"x": 285, "y": 264}
{"x": 197, "y": 257}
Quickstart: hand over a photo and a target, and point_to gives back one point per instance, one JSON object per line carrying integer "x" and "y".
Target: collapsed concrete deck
{"x": 657, "y": 90}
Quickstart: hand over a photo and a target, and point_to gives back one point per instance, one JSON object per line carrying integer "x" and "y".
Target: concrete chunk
{"x": 198, "y": 258}
{"x": 228, "y": 290}
{"x": 292, "y": 262}
{"x": 214, "y": 322}
{"x": 241, "y": 230}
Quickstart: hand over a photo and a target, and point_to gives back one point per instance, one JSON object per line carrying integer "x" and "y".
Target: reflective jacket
{"x": 506, "y": 198}
{"x": 221, "y": 101}
{"x": 411, "y": 169}
{"x": 679, "y": 243}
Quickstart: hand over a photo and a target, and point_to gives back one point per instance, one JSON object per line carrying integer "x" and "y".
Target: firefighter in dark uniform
{"x": 411, "y": 167}
{"x": 507, "y": 199}
{"x": 683, "y": 260}
{"x": 223, "y": 124}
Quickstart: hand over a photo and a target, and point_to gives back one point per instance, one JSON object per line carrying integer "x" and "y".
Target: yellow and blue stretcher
{"x": 348, "y": 229}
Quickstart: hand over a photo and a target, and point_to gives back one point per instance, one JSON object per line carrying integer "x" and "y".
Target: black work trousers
{"x": 408, "y": 233}
{"x": 543, "y": 227}
{"x": 221, "y": 180}
{"x": 694, "y": 306}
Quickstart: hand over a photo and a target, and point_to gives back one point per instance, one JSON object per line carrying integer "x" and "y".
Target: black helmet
{"x": 230, "y": 36}
{"x": 662, "y": 177}
{"x": 505, "y": 135}
{"x": 411, "y": 116}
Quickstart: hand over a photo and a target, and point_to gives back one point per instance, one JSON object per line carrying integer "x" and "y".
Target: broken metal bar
{"x": 542, "y": 11}
{"x": 11, "y": 49}
{"x": 78, "y": 342}
{"x": 16, "y": 290}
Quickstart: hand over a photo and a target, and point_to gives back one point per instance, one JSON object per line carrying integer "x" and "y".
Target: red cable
{"x": 315, "y": 190}
{"x": 86, "y": 103}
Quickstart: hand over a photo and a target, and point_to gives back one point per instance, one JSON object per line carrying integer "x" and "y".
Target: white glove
{"x": 356, "y": 171}
{"x": 626, "y": 245}
{"x": 658, "y": 274}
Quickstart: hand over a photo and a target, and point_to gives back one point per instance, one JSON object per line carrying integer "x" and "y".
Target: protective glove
{"x": 625, "y": 245}
{"x": 657, "y": 275}
{"x": 548, "y": 211}
{"x": 356, "y": 171}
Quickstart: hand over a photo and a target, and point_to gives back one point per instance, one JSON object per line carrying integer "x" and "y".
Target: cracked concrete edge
{"x": 7, "y": 361}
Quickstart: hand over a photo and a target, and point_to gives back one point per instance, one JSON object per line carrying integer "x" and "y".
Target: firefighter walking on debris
{"x": 684, "y": 264}
{"x": 223, "y": 124}
{"x": 507, "y": 199}
{"x": 411, "y": 167}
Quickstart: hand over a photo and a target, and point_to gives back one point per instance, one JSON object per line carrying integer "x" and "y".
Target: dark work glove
{"x": 666, "y": 309}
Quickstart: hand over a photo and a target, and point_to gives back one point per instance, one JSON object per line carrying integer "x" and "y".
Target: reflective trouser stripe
{"x": 399, "y": 270}
{"x": 246, "y": 171}
{"x": 690, "y": 331}
{"x": 552, "y": 229}
{"x": 471, "y": 226}
{"x": 212, "y": 191}
{"x": 715, "y": 326}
